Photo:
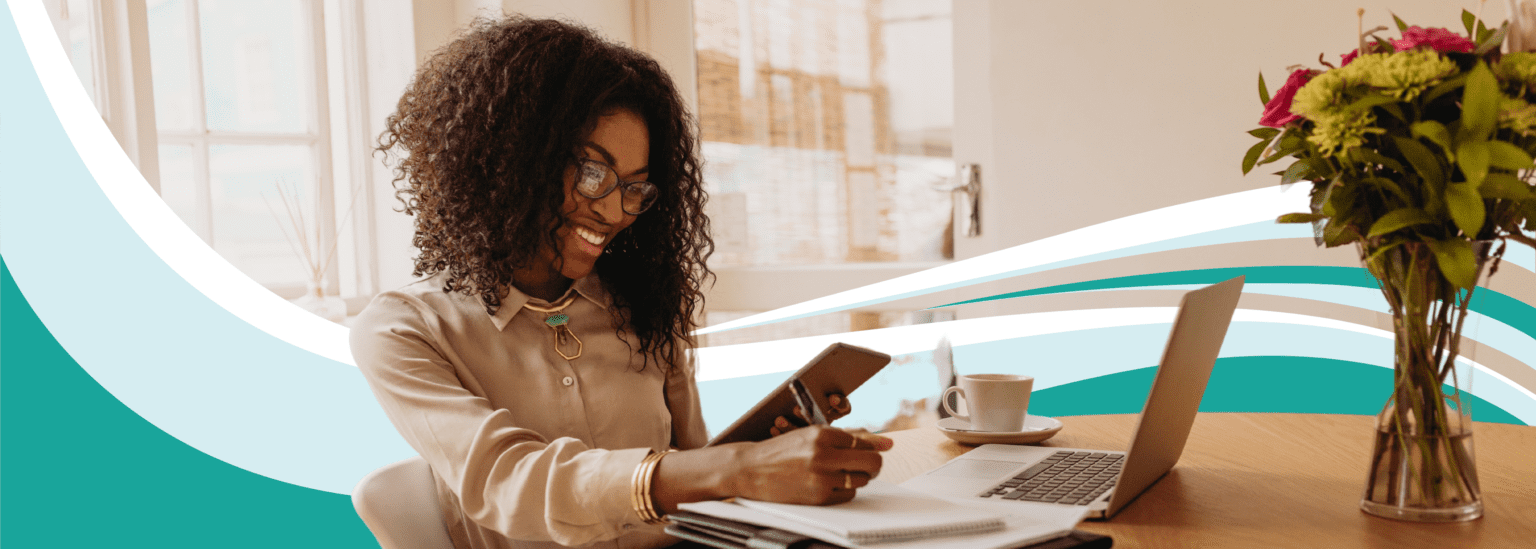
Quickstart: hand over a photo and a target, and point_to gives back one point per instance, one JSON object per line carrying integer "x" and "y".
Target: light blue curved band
{"x": 163, "y": 348}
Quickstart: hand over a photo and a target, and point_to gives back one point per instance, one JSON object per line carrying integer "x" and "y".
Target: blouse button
{"x": 567, "y": 381}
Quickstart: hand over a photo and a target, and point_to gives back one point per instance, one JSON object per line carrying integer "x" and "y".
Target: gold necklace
{"x": 559, "y": 321}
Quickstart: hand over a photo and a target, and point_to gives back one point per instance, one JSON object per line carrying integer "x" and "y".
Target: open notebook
{"x": 891, "y": 517}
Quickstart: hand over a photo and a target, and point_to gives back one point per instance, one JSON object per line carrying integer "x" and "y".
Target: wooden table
{"x": 1275, "y": 480}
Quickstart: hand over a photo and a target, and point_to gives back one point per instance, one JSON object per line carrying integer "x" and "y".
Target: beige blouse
{"x": 530, "y": 450}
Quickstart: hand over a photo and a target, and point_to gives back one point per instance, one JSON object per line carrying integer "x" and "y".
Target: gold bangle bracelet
{"x": 640, "y": 488}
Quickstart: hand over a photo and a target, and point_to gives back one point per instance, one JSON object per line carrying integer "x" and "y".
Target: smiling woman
{"x": 592, "y": 213}
{"x": 540, "y": 366}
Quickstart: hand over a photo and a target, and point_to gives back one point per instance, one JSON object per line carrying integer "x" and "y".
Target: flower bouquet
{"x": 1419, "y": 152}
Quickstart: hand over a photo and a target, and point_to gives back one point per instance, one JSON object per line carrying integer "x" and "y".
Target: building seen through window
{"x": 826, "y": 139}
{"x": 826, "y": 129}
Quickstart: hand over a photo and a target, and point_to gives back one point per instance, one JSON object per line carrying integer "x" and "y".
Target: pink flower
{"x": 1350, "y": 57}
{"x": 1440, "y": 40}
{"x": 1277, "y": 113}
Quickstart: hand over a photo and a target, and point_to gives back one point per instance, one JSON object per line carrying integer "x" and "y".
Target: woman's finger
{"x": 839, "y": 404}
{"x": 856, "y": 439}
{"x": 853, "y": 480}
{"x": 864, "y": 440}
{"x": 839, "y": 496}
{"x": 780, "y": 426}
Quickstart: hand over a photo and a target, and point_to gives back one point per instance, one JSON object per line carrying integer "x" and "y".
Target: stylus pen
{"x": 810, "y": 406}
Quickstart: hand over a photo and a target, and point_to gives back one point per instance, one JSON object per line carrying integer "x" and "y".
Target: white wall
{"x": 1099, "y": 110}
{"x": 1081, "y": 113}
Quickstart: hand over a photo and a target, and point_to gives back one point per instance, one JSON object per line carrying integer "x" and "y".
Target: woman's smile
{"x": 589, "y": 236}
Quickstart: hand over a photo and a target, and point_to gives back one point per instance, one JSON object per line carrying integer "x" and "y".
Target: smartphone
{"x": 840, "y": 369}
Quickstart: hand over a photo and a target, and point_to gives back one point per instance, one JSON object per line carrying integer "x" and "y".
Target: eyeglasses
{"x": 595, "y": 179}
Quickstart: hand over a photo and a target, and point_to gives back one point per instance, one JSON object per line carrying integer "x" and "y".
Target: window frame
{"x": 316, "y": 138}
{"x": 764, "y": 287}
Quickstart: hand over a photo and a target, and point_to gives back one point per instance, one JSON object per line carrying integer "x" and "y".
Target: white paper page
{"x": 1019, "y": 530}
{"x": 884, "y": 507}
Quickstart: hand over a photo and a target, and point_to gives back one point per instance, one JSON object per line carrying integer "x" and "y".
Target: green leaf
{"x": 1253, "y": 155}
{"x": 1340, "y": 199}
{"x": 1299, "y": 170}
{"x": 1505, "y": 155}
{"x": 1467, "y": 19}
{"x": 1406, "y": 217}
{"x": 1466, "y": 207}
{"x": 1401, "y": 26}
{"x": 1373, "y": 157}
{"x": 1300, "y": 218}
{"x": 1381, "y": 250}
{"x": 1434, "y": 131}
{"x": 1263, "y": 90}
{"x": 1339, "y": 234}
{"x": 1456, "y": 260}
{"x": 1504, "y": 186}
{"x": 1395, "y": 110}
{"x": 1493, "y": 41}
{"x": 1479, "y": 104}
{"x": 1285, "y": 150}
{"x": 1472, "y": 157}
{"x": 1447, "y": 86}
{"x": 1264, "y": 133}
{"x": 1425, "y": 163}
{"x": 1390, "y": 185}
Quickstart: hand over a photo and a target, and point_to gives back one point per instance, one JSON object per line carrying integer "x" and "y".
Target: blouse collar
{"x": 512, "y": 302}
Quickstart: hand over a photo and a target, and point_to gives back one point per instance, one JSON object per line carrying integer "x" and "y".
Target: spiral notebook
{"x": 885, "y": 515}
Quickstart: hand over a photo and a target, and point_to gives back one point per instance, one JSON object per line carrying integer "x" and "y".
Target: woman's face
{"x": 622, "y": 141}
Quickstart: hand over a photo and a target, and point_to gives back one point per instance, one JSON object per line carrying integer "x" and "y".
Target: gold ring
{"x": 847, "y": 481}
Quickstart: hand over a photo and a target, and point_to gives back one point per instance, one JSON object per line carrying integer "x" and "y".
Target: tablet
{"x": 840, "y": 368}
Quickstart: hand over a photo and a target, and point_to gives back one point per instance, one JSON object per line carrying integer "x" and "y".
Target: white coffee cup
{"x": 996, "y": 402}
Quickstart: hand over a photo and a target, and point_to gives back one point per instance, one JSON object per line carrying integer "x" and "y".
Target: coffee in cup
{"x": 996, "y": 402}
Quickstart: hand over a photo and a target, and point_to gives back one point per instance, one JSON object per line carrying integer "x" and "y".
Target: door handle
{"x": 967, "y": 199}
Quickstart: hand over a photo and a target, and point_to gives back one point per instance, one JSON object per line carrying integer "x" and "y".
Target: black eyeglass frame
{"x": 618, "y": 183}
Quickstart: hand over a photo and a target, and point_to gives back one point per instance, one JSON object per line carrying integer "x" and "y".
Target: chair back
{"x": 398, "y": 502}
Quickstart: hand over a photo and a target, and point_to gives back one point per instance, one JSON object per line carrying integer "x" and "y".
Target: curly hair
{"x": 486, "y": 130}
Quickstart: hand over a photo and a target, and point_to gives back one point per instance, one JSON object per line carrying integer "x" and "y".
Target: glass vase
{"x": 1422, "y": 466}
{"x": 328, "y": 307}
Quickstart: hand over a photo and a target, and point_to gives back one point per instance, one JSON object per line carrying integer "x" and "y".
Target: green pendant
{"x": 557, "y": 320}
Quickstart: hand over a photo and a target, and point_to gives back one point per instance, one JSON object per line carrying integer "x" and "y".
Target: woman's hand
{"x": 814, "y": 465}
{"x": 837, "y": 407}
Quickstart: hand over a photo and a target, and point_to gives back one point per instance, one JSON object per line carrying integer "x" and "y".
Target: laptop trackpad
{"x": 976, "y": 468}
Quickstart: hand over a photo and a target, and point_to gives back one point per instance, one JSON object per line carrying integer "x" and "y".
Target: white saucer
{"x": 1036, "y": 429}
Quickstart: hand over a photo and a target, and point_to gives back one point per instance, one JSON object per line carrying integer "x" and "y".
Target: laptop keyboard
{"x": 1072, "y": 478}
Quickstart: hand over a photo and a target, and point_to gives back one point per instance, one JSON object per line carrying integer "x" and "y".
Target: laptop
{"x": 1047, "y": 480}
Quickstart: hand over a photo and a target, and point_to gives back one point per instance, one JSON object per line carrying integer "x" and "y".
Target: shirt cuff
{"x": 612, "y": 493}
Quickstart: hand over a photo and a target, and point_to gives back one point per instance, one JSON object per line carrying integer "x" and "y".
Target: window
{"x": 240, "y": 115}
{"x": 825, "y": 129}
{"x": 79, "y": 28}
{"x": 826, "y": 138}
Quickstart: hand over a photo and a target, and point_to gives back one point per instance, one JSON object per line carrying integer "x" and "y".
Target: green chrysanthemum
{"x": 1517, "y": 114}
{"x": 1403, "y": 75}
{"x": 1336, "y": 132}
{"x": 1516, "y": 67}
{"x": 1322, "y": 96}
